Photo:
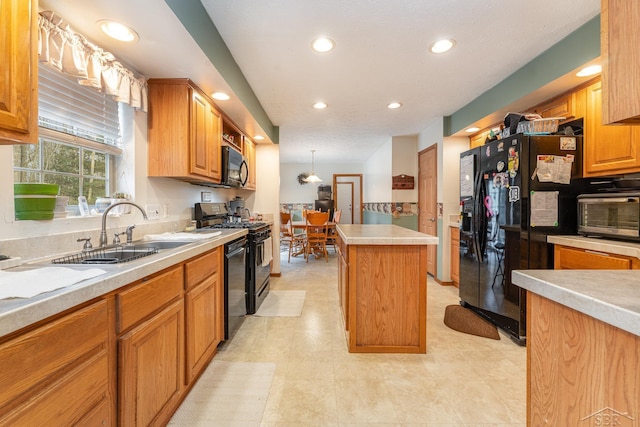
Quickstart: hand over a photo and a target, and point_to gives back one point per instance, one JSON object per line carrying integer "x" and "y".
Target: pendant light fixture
{"x": 313, "y": 177}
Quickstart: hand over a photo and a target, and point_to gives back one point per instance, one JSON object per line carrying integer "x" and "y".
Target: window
{"x": 79, "y": 136}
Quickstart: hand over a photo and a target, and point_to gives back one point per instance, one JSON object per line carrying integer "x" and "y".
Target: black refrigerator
{"x": 514, "y": 192}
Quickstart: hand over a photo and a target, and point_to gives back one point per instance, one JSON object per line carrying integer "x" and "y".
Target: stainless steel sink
{"x": 118, "y": 254}
{"x": 160, "y": 244}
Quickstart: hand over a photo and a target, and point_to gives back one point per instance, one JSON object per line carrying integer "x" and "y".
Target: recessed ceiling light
{"x": 118, "y": 31}
{"x": 589, "y": 71}
{"x": 319, "y": 105}
{"x": 394, "y": 105}
{"x": 442, "y": 46}
{"x": 258, "y": 137}
{"x": 220, "y": 96}
{"x": 323, "y": 44}
{"x": 472, "y": 129}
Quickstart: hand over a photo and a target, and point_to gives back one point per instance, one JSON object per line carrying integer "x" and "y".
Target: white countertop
{"x": 612, "y": 296}
{"x": 17, "y": 313}
{"x": 383, "y": 234}
{"x": 598, "y": 244}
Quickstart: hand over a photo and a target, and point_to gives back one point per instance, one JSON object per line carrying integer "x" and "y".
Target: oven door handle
{"x": 234, "y": 253}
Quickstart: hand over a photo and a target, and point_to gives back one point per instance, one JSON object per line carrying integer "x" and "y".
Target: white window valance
{"x": 72, "y": 54}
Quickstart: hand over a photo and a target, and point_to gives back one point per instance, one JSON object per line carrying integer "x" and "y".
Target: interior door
{"x": 427, "y": 202}
{"x": 348, "y": 197}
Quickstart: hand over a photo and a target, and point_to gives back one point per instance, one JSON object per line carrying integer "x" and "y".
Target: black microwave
{"x": 235, "y": 170}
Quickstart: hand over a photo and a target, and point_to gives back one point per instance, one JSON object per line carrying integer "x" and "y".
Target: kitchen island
{"x": 382, "y": 283}
{"x": 583, "y": 351}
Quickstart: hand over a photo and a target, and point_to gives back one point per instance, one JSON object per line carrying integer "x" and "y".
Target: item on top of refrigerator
{"x": 539, "y": 126}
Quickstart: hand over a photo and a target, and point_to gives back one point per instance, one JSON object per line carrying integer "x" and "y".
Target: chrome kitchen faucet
{"x": 103, "y": 232}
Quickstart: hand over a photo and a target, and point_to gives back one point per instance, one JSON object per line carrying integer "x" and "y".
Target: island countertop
{"x": 383, "y": 234}
{"x": 611, "y": 296}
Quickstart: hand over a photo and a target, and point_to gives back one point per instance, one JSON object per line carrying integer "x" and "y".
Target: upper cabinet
{"x": 19, "y": 71}
{"x": 619, "y": 41}
{"x": 249, "y": 152}
{"x": 184, "y": 132}
{"x": 608, "y": 150}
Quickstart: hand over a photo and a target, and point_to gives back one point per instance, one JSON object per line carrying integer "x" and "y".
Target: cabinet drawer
{"x": 63, "y": 361}
{"x": 142, "y": 300}
{"x": 579, "y": 259}
{"x": 203, "y": 267}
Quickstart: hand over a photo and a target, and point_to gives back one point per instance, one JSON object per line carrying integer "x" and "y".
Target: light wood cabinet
{"x": 62, "y": 373}
{"x": 250, "y": 154}
{"x": 151, "y": 361}
{"x": 619, "y": 41}
{"x": 343, "y": 279}
{"x": 19, "y": 71}
{"x": 608, "y": 150}
{"x": 387, "y": 298}
{"x": 184, "y": 132}
{"x": 580, "y": 371}
{"x": 568, "y": 258}
{"x": 479, "y": 138}
{"x": 562, "y": 106}
{"x": 151, "y": 371}
{"x": 455, "y": 255}
{"x": 204, "y": 305}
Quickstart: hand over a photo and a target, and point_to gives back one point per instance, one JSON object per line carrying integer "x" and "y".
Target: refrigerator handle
{"x": 477, "y": 215}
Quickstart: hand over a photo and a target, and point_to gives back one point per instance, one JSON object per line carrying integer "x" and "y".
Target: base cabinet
{"x": 455, "y": 256}
{"x": 567, "y": 258}
{"x": 152, "y": 368}
{"x": 60, "y": 374}
{"x": 204, "y": 305}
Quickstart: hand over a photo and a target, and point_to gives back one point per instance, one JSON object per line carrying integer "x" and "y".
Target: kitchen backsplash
{"x": 48, "y": 246}
{"x": 393, "y": 208}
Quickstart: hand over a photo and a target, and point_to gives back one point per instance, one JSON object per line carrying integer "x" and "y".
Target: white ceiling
{"x": 381, "y": 55}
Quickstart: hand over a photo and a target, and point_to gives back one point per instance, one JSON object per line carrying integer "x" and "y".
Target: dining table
{"x": 302, "y": 225}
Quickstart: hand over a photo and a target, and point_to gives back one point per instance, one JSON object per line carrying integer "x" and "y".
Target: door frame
{"x": 354, "y": 188}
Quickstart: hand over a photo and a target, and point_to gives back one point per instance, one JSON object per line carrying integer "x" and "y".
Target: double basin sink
{"x": 118, "y": 254}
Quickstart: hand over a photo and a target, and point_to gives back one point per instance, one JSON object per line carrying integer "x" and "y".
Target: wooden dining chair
{"x": 296, "y": 242}
{"x": 332, "y": 234}
{"x": 317, "y": 228}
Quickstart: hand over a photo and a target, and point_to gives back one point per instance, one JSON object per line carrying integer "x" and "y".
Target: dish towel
{"x": 267, "y": 252}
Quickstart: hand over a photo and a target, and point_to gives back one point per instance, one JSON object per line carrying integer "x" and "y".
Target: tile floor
{"x": 463, "y": 380}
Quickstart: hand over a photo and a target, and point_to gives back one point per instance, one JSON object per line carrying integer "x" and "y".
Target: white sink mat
{"x": 27, "y": 284}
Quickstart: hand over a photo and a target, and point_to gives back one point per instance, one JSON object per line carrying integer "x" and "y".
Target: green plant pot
{"x": 35, "y": 188}
{"x": 34, "y": 215}
{"x": 35, "y": 203}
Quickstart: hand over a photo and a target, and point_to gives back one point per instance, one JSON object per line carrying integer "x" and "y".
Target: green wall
{"x": 578, "y": 48}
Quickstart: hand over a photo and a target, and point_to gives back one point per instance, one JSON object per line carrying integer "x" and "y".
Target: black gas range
{"x": 258, "y": 268}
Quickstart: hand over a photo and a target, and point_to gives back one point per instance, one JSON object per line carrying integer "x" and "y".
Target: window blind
{"x": 66, "y": 106}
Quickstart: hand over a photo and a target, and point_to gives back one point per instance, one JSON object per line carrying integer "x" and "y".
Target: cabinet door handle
{"x": 596, "y": 252}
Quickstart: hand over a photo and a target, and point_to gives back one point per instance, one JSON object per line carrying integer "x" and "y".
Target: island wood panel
{"x": 387, "y": 298}
{"x": 61, "y": 373}
{"x": 580, "y": 371}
